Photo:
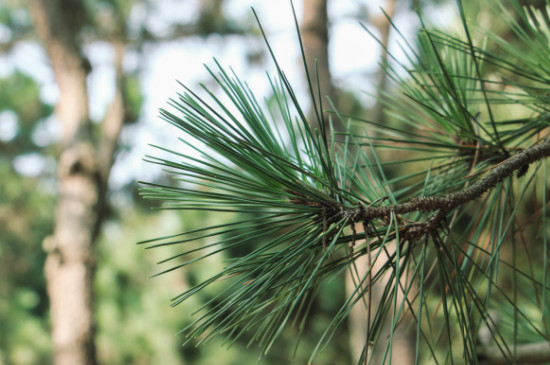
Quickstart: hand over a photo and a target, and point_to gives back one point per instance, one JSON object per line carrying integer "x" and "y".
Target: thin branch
{"x": 113, "y": 120}
{"x": 445, "y": 203}
{"x": 530, "y": 353}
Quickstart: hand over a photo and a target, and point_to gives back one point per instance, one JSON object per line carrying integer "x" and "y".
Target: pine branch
{"x": 296, "y": 194}
{"x": 445, "y": 203}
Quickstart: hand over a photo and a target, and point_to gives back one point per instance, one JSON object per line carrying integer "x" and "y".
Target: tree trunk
{"x": 382, "y": 23}
{"x": 314, "y": 30}
{"x": 82, "y": 174}
{"x": 402, "y": 348}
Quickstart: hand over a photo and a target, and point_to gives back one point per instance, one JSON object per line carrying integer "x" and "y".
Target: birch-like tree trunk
{"x": 82, "y": 172}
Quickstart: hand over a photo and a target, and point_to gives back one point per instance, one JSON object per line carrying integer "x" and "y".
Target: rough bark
{"x": 82, "y": 175}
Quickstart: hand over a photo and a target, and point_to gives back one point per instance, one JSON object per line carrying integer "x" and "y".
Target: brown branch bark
{"x": 489, "y": 355}
{"x": 450, "y": 201}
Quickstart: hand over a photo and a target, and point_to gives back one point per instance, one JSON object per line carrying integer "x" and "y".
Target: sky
{"x": 353, "y": 57}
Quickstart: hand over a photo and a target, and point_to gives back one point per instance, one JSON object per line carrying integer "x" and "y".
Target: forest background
{"x": 129, "y": 54}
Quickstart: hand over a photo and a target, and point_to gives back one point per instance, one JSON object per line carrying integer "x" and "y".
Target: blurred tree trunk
{"x": 382, "y": 23}
{"x": 314, "y": 30}
{"x": 402, "y": 349}
{"x": 82, "y": 173}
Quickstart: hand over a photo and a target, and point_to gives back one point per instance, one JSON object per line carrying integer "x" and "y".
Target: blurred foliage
{"x": 133, "y": 96}
{"x": 19, "y": 94}
{"x": 135, "y": 323}
{"x": 15, "y": 22}
{"x": 26, "y": 217}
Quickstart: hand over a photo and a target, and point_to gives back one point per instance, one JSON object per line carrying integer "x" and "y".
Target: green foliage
{"x": 25, "y": 218}
{"x": 437, "y": 199}
{"x": 124, "y": 336}
{"x": 128, "y": 333}
{"x": 133, "y": 97}
{"x": 13, "y": 15}
{"x": 19, "y": 93}
{"x": 26, "y": 211}
{"x": 281, "y": 180}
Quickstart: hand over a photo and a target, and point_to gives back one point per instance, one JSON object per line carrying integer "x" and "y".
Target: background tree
{"x": 314, "y": 29}
{"x": 84, "y": 165}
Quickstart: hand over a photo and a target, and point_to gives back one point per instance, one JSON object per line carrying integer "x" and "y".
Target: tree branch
{"x": 445, "y": 203}
{"x": 529, "y": 353}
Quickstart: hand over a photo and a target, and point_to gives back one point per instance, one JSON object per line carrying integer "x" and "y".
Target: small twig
{"x": 368, "y": 345}
{"x": 353, "y": 238}
{"x": 325, "y": 227}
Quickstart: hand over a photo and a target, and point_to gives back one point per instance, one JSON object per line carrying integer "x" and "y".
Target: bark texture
{"x": 83, "y": 170}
